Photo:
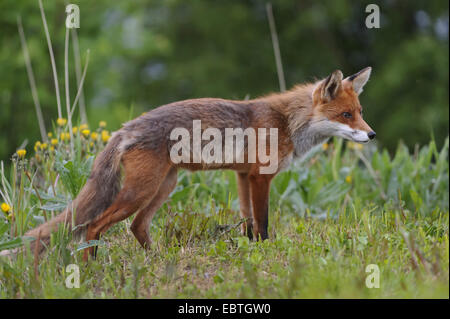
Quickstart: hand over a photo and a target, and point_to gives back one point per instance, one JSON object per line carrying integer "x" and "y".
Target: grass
{"x": 341, "y": 209}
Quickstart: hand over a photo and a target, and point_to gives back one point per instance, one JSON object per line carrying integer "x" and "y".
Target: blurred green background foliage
{"x": 147, "y": 53}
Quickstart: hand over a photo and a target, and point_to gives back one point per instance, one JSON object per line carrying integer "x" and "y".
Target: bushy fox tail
{"x": 97, "y": 194}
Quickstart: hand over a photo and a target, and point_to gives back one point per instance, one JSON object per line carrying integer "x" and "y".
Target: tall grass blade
{"x": 276, "y": 47}
{"x": 80, "y": 86}
{"x": 52, "y": 59}
{"x": 30, "y": 73}
{"x": 66, "y": 81}
{"x": 76, "y": 53}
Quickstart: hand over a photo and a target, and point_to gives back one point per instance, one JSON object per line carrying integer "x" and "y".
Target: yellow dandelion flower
{"x": 85, "y": 132}
{"x": 355, "y": 146}
{"x": 75, "y": 130}
{"x": 358, "y": 146}
{"x": 105, "y": 136}
{"x": 94, "y": 135}
{"x": 5, "y": 208}
{"x": 49, "y": 134}
{"x": 37, "y": 146}
{"x": 61, "y": 121}
{"x": 325, "y": 146}
{"x": 52, "y": 148}
{"x": 65, "y": 136}
{"x": 21, "y": 153}
{"x": 83, "y": 127}
{"x": 102, "y": 124}
{"x": 44, "y": 146}
{"x": 54, "y": 141}
{"x": 348, "y": 179}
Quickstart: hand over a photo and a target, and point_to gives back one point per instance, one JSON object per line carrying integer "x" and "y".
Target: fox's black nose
{"x": 371, "y": 135}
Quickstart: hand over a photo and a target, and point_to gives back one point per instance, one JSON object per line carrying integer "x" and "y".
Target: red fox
{"x": 303, "y": 117}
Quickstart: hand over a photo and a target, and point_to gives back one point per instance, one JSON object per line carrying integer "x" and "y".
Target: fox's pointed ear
{"x": 329, "y": 88}
{"x": 359, "y": 79}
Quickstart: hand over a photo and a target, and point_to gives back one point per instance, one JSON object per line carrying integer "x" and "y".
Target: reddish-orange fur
{"x": 142, "y": 147}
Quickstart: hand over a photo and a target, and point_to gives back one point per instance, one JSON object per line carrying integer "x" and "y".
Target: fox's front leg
{"x": 244, "y": 203}
{"x": 259, "y": 193}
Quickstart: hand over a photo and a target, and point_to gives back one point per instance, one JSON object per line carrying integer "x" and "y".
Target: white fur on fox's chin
{"x": 331, "y": 128}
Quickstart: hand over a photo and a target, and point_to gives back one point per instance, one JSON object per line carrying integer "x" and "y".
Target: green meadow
{"x": 332, "y": 214}
{"x": 346, "y": 221}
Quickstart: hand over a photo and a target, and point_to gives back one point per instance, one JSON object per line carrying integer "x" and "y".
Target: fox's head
{"x": 336, "y": 107}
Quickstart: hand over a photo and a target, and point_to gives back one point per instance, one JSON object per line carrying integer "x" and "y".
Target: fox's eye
{"x": 347, "y": 115}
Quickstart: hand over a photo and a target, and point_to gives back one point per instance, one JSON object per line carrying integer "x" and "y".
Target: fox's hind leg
{"x": 144, "y": 173}
{"x": 244, "y": 203}
{"x": 141, "y": 222}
